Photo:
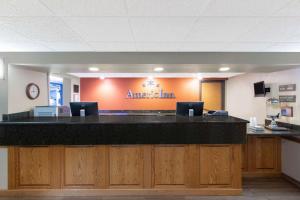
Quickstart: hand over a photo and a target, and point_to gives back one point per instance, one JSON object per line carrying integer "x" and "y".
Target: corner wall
{"x": 240, "y": 100}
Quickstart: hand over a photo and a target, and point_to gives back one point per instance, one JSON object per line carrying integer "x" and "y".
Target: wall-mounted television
{"x": 259, "y": 89}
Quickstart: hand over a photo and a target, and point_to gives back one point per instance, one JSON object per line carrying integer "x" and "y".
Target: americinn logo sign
{"x": 152, "y": 90}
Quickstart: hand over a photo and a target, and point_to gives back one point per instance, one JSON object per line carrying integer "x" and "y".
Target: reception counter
{"x": 124, "y": 155}
{"x": 156, "y": 129}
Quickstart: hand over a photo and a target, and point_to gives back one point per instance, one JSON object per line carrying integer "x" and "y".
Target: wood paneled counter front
{"x": 128, "y": 169}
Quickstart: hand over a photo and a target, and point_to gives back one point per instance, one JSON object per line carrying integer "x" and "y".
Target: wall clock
{"x": 32, "y": 91}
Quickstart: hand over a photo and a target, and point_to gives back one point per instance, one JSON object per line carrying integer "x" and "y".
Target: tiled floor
{"x": 254, "y": 189}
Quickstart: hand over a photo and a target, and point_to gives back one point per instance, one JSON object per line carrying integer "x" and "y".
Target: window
{"x": 55, "y": 91}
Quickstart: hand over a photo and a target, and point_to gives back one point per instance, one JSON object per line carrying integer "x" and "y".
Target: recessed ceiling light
{"x": 224, "y": 69}
{"x": 93, "y": 69}
{"x": 158, "y": 69}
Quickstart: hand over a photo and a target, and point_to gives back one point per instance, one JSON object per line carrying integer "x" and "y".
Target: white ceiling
{"x": 156, "y": 75}
{"x": 150, "y": 25}
{"x": 141, "y": 70}
{"x": 146, "y": 70}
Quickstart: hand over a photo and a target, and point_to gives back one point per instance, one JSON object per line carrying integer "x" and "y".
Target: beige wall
{"x": 18, "y": 79}
{"x": 240, "y": 100}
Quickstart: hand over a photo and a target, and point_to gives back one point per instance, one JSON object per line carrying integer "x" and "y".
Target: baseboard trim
{"x": 120, "y": 192}
{"x": 261, "y": 174}
{"x": 290, "y": 179}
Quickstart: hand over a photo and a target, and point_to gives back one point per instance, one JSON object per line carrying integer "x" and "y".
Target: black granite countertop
{"x": 293, "y": 130}
{"x": 157, "y": 129}
{"x": 124, "y": 119}
{"x": 267, "y": 132}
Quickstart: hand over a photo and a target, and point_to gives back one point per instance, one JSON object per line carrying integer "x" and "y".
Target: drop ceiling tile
{"x": 293, "y": 38}
{"x": 274, "y": 29}
{"x": 243, "y": 7}
{"x": 157, "y": 46}
{"x": 291, "y": 9}
{"x": 247, "y": 47}
{"x": 166, "y": 29}
{"x": 202, "y": 46}
{"x": 22, "y": 47}
{"x": 165, "y": 7}
{"x": 216, "y": 29}
{"x": 285, "y": 47}
{"x": 44, "y": 29}
{"x": 7, "y": 35}
{"x": 87, "y": 7}
{"x": 23, "y": 8}
{"x": 104, "y": 29}
{"x": 68, "y": 46}
{"x": 113, "y": 46}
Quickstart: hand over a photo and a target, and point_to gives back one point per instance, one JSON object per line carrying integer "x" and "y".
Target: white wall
{"x": 3, "y": 98}
{"x": 1, "y": 68}
{"x": 67, "y": 91}
{"x": 18, "y": 79}
{"x": 75, "y": 81}
{"x": 4, "y": 93}
{"x": 290, "y": 158}
{"x": 240, "y": 100}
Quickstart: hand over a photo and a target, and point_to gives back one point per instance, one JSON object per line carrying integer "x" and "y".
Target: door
{"x": 212, "y": 94}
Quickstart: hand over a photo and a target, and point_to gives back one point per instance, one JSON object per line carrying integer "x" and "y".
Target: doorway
{"x": 212, "y": 93}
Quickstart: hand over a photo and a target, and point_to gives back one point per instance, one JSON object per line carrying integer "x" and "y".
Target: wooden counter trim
{"x": 11, "y": 168}
{"x": 120, "y": 192}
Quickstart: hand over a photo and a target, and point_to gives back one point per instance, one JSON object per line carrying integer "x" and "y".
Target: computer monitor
{"x": 91, "y": 108}
{"x": 182, "y": 108}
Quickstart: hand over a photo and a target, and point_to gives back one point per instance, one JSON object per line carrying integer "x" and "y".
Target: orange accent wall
{"x": 111, "y": 93}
